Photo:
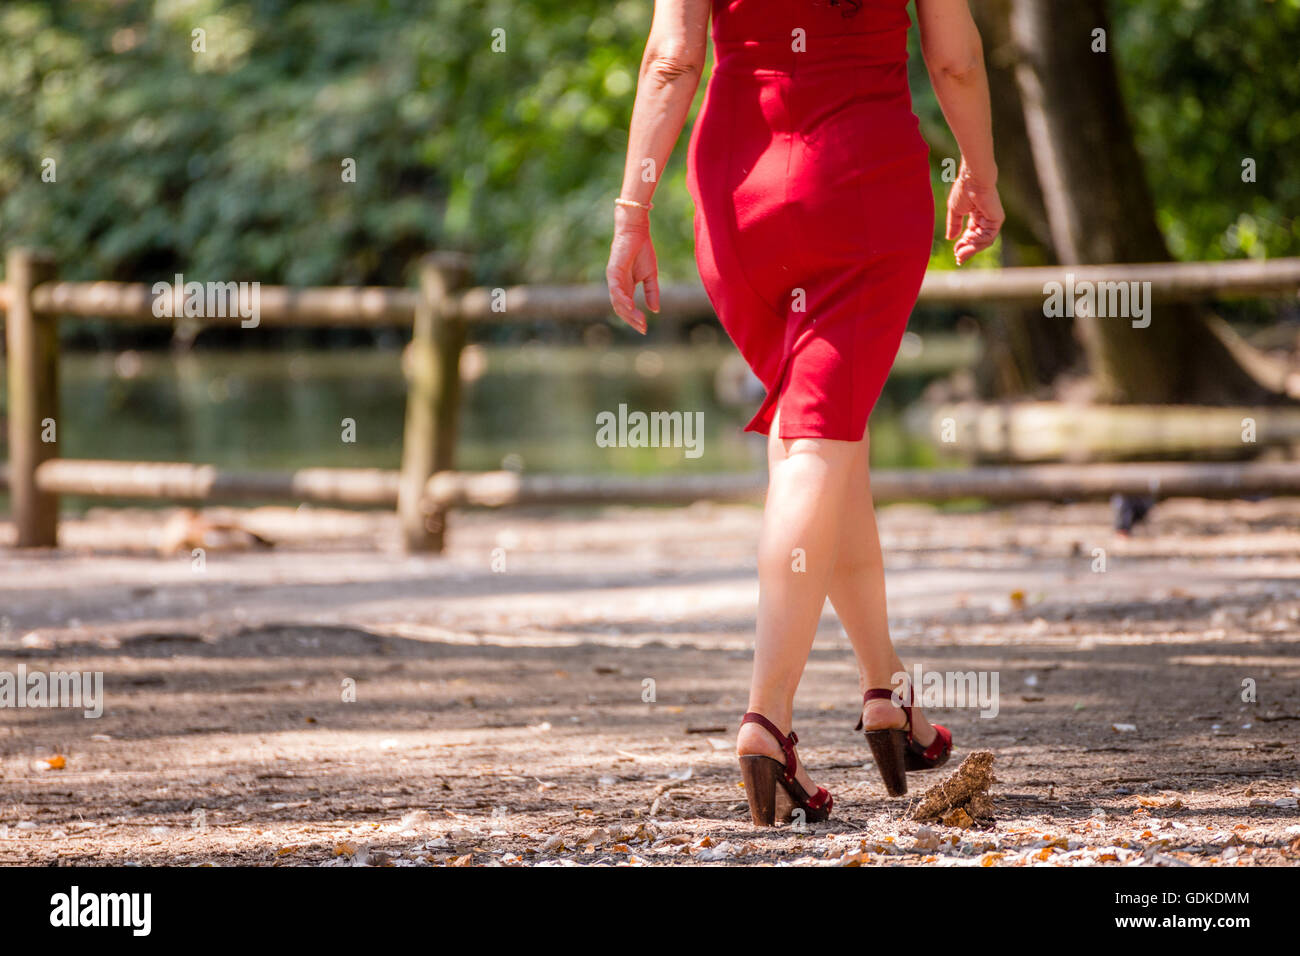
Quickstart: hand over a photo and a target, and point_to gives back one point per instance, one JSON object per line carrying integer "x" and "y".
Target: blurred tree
{"x": 1024, "y": 349}
{"x": 491, "y": 126}
{"x": 1209, "y": 85}
{"x": 230, "y": 162}
{"x": 1101, "y": 210}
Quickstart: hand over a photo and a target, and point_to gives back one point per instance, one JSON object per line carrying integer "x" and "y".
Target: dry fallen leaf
{"x": 957, "y": 818}
{"x": 926, "y": 839}
{"x": 1173, "y": 803}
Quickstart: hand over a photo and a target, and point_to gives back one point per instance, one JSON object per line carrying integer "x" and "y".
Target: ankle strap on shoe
{"x": 887, "y": 693}
{"x": 787, "y": 743}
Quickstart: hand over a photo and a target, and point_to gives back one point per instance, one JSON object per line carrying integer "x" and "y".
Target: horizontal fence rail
{"x": 376, "y": 305}
{"x": 279, "y": 305}
{"x": 181, "y": 481}
{"x": 1010, "y": 483}
{"x": 440, "y": 311}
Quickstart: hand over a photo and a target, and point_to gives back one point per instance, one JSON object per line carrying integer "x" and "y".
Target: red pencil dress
{"x": 814, "y": 215}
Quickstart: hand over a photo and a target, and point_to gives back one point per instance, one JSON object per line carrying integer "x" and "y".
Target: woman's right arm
{"x": 954, "y": 56}
{"x": 670, "y": 74}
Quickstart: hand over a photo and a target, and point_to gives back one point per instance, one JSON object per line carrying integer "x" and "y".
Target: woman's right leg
{"x": 857, "y": 591}
{"x": 807, "y": 487}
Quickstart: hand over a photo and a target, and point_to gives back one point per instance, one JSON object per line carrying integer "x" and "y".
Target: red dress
{"x": 814, "y": 213}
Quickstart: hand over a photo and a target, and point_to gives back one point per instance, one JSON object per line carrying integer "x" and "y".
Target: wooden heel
{"x": 771, "y": 786}
{"x": 760, "y": 775}
{"x": 896, "y": 750}
{"x": 889, "y": 748}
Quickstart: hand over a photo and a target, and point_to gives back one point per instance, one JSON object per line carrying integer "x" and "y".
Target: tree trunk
{"x": 1100, "y": 210}
{"x": 1026, "y": 350}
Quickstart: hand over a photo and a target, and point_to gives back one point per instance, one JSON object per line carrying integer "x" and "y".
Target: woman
{"x": 814, "y": 224}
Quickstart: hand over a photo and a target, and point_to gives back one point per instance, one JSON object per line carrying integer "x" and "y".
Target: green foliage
{"x": 228, "y": 163}
{"x": 1210, "y": 84}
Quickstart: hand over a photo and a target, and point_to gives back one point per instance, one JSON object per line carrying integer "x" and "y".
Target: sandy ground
{"x": 500, "y": 712}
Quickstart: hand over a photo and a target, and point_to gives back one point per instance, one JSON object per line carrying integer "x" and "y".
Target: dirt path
{"x": 499, "y": 713}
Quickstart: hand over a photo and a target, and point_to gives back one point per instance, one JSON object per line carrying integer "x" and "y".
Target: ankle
{"x": 882, "y": 714}
{"x": 754, "y": 740}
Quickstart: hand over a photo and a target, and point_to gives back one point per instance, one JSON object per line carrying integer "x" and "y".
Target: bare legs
{"x": 818, "y": 537}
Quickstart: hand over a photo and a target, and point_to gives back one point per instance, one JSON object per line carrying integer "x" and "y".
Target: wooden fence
{"x": 440, "y": 312}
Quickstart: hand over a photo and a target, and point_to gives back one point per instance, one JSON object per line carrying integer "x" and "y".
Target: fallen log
{"x": 1059, "y": 431}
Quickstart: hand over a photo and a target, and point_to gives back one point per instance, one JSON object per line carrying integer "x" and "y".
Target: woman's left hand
{"x": 632, "y": 261}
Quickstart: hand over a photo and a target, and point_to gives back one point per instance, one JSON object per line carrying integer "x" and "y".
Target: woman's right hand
{"x": 978, "y": 203}
{"x": 631, "y": 261}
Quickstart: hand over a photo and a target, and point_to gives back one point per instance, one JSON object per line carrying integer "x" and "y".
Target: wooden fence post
{"x": 432, "y": 366}
{"x": 33, "y": 346}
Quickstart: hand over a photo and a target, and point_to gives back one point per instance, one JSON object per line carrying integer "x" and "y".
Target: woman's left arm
{"x": 670, "y": 75}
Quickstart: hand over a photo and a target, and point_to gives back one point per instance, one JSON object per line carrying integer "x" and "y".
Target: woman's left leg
{"x": 857, "y": 592}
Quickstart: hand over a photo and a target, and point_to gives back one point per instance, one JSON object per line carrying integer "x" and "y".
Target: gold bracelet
{"x": 647, "y": 206}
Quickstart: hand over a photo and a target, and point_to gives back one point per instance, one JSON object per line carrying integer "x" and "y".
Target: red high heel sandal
{"x": 895, "y": 749}
{"x": 771, "y": 785}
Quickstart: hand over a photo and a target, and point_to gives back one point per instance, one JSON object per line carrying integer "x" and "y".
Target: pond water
{"x": 533, "y": 407}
